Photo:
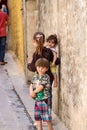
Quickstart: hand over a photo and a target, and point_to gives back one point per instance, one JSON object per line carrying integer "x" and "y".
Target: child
{"x": 52, "y": 42}
{"x": 41, "y": 83}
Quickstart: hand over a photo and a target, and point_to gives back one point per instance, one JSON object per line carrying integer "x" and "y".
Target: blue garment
{"x": 5, "y": 10}
{"x": 2, "y": 48}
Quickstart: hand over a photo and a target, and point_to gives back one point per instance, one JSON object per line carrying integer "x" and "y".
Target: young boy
{"x": 39, "y": 90}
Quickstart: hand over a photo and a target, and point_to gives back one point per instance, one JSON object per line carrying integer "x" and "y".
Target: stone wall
{"x": 48, "y": 16}
{"x": 16, "y": 42}
{"x": 30, "y": 27}
{"x": 73, "y": 30}
{"x": 69, "y": 19}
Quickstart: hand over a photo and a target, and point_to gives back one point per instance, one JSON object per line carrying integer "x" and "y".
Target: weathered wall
{"x": 31, "y": 27}
{"x": 69, "y": 19}
{"x": 48, "y": 16}
{"x": 16, "y": 29}
{"x": 73, "y": 30}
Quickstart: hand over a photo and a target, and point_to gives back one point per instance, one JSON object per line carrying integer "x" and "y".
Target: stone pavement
{"x": 8, "y": 119}
{"x": 18, "y": 82}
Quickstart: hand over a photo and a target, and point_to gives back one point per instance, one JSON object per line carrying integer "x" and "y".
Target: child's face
{"x": 41, "y": 70}
{"x": 51, "y": 43}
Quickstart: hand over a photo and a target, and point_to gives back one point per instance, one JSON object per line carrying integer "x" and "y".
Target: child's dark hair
{"x": 40, "y": 39}
{"x": 42, "y": 62}
{"x": 0, "y": 5}
{"x": 53, "y": 37}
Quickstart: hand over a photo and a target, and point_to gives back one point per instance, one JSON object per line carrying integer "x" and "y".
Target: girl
{"x": 52, "y": 42}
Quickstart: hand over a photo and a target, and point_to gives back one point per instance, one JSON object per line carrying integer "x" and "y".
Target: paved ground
{"x": 13, "y": 114}
{"x": 16, "y": 107}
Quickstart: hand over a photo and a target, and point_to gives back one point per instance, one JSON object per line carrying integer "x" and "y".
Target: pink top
{"x": 3, "y": 20}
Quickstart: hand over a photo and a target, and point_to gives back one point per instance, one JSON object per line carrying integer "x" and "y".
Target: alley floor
{"x": 16, "y": 106}
{"x": 13, "y": 114}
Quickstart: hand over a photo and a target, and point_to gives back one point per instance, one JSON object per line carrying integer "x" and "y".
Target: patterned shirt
{"x": 41, "y": 80}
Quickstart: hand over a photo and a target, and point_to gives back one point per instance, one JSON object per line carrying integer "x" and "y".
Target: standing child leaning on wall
{"x": 51, "y": 43}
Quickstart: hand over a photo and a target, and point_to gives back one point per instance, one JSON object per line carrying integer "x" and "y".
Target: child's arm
{"x": 39, "y": 88}
{"x": 32, "y": 93}
{"x": 54, "y": 58}
{"x": 46, "y": 44}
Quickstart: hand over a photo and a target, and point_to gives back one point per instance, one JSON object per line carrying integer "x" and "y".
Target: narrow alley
{"x": 66, "y": 19}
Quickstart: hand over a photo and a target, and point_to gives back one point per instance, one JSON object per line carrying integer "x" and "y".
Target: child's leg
{"x": 39, "y": 125}
{"x": 50, "y": 127}
{"x": 55, "y": 82}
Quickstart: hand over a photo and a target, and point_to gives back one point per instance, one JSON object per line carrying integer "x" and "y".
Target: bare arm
{"x": 55, "y": 58}
{"x": 32, "y": 93}
{"x": 39, "y": 88}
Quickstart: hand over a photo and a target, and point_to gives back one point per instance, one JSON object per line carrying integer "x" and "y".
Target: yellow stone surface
{"x": 16, "y": 28}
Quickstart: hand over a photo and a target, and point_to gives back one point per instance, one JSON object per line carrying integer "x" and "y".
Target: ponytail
{"x": 40, "y": 39}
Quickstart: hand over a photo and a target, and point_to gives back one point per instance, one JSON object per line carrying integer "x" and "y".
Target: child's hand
{"x": 32, "y": 94}
{"x": 52, "y": 64}
{"x": 46, "y": 44}
{"x": 30, "y": 60}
